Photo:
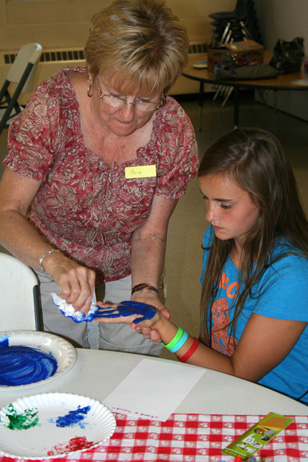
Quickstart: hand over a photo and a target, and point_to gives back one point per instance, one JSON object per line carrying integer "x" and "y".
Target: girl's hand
{"x": 127, "y": 312}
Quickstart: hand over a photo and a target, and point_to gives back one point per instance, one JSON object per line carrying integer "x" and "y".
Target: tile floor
{"x": 187, "y": 224}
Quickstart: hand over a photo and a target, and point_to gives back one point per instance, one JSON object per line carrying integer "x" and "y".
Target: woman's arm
{"x": 148, "y": 254}
{"x": 21, "y": 239}
{"x": 148, "y": 250}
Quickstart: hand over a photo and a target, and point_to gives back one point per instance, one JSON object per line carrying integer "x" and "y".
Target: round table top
{"x": 97, "y": 373}
{"x": 281, "y": 82}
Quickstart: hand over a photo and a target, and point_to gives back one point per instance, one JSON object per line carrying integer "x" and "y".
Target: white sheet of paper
{"x": 153, "y": 389}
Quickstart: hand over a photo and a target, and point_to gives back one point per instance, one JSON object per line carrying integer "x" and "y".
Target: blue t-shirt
{"x": 280, "y": 293}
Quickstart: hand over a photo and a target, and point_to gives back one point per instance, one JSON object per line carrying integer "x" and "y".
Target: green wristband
{"x": 175, "y": 339}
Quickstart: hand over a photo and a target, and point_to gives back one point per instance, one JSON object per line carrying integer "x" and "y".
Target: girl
{"x": 254, "y": 304}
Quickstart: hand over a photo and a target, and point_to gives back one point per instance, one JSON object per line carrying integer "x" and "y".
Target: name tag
{"x": 141, "y": 171}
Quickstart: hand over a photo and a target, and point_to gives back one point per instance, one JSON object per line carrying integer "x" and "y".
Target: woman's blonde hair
{"x": 139, "y": 41}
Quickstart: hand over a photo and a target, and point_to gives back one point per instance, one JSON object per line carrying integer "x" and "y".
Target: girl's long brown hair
{"x": 255, "y": 160}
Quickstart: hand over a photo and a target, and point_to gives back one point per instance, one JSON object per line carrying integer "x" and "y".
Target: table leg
{"x": 275, "y": 101}
{"x": 201, "y": 97}
{"x": 236, "y": 107}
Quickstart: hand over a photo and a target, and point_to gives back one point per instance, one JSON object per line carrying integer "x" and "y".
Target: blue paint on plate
{"x": 73, "y": 418}
{"x": 22, "y": 365}
{"x": 4, "y": 341}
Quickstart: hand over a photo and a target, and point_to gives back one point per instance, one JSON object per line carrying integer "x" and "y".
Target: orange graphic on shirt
{"x": 231, "y": 289}
{"x": 220, "y": 318}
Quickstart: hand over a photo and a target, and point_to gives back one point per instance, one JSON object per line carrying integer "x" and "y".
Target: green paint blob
{"x": 27, "y": 419}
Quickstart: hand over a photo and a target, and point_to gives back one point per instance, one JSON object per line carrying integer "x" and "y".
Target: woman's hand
{"x": 22, "y": 240}
{"x": 77, "y": 282}
{"x": 151, "y": 298}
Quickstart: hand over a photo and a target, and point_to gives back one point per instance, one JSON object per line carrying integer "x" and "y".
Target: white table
{"x": 96, "y": 374}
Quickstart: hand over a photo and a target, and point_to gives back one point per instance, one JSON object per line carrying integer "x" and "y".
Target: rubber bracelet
{"x": 191, "y": 351}
{"x": 45, "y": 255}
{"x": 175, "y": 339}
{"x": 180, "y": 342}
{"x": 143, "y": 286}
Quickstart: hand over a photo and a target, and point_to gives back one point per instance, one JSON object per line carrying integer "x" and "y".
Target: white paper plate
{"x": 51, "y": 425}
{"x": 63, "y": 352}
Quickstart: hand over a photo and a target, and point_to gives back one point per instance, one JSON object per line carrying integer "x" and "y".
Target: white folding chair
{"x": 19, "y": 296}
{"x": 22, "y": 73}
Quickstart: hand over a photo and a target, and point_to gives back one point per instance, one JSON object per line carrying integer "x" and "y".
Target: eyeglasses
{"x": 139, "y": 103}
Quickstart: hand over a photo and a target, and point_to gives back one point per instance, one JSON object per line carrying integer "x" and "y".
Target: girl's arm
{"x": 264, "y": 344}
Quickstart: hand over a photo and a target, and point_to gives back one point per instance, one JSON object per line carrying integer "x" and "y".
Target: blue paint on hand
{"x": 124, "y": 309}
{"x": 128, "y": 308}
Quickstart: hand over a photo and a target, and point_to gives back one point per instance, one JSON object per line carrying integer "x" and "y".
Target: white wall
{"x": 285, "y": 19}
{"x": 65, "y": 23}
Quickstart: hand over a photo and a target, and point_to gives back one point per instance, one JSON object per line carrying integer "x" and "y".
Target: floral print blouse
{"x": 85, "y": 207}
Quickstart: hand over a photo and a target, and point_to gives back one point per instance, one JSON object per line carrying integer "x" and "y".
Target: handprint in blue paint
{"x": 141, "y": 311}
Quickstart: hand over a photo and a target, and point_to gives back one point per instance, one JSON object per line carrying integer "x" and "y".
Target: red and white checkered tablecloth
{"x": 191, "y": 438}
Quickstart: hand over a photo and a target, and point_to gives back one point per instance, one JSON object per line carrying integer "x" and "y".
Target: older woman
{"x": 96, "y": 164}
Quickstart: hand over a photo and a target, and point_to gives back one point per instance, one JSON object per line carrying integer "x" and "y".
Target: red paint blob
{"x": 74, "y": 444}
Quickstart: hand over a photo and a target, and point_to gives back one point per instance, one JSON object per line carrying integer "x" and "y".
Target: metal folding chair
{"x": 21, "y": 73}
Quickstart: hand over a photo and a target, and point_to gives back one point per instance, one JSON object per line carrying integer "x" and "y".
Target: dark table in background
{"x": 284, "y": 82}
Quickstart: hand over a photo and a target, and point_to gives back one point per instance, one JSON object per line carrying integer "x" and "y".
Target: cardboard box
{"x": 243, "y": 51}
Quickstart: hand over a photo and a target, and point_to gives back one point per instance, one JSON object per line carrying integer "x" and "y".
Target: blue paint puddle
{"x": 4, "y": 342}
{"x": 22, "y": 365}
{"x": 73, "y": 418}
